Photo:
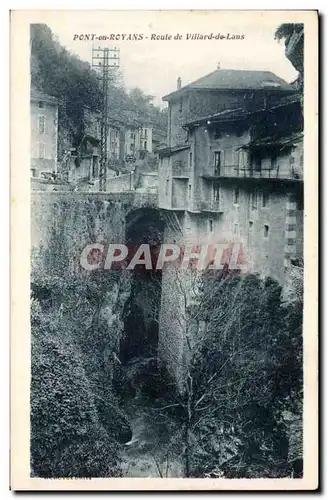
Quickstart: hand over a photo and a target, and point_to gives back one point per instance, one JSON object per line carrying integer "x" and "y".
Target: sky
{"x": 155, "y": 65}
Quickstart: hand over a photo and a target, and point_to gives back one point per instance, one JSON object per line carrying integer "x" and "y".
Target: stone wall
{"x": 120, "y": 183}
{"x": 83, "y": 218}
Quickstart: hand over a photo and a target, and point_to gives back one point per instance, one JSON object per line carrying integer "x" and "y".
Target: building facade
{"x": 232, "y": 172}
{"x": 138, "y": 139}
{"x": 44, "y": 134}
{"x": 81, "y": 163}
{"x": 236, "y": 172}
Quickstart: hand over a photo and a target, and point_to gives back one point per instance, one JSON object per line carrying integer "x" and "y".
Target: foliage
{"x": 242, "y": 372}
{"x": 294, "y": 48}
{"x": 58, "y": 73}
{"x": 285, "y": 31}
{"x": 76, "y": 425}
{"x": 63, "y": 410}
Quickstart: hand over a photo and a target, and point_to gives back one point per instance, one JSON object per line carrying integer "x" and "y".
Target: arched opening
{"x": 139, "y": 344}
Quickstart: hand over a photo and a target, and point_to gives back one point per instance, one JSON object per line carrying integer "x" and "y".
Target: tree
{"x": 233, "y": 392}
{"x": 57, "y": 72}
{"x": 60, "y": 74}
{"x": 293, "y": 36}
{"x": 76, "y": 424}
{"x": 67, "y": 438}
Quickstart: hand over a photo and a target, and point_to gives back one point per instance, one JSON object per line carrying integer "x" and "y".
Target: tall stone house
{"x": 138, "y": 139}
{"x": 81, "y": 163}
{"x": 231, "y": 172}
{"x": 233, "y": 166}
{"x": 44, "y": 134}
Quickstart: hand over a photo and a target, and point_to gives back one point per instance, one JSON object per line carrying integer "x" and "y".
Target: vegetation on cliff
{"x": 241, "y": 376}
{"x": 76, "y": 424}
{"x": 57, "y": 72}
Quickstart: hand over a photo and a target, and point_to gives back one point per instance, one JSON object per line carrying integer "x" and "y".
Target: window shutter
{"x": 222, "y": 157}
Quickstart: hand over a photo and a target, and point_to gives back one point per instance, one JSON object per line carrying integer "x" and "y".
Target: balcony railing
{"x": 210, "y": 206}
{"x": 285, "y": 172}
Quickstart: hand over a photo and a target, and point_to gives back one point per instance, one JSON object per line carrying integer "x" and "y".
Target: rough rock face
{"x": 91, "y": 305}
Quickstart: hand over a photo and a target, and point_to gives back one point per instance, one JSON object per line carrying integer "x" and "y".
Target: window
{"x": 258, "y": 163}
{"x": 254, "y": 200}
{"x": 273, "y": 162}
{"x": 217, "y": 158}
{"x": 41, "y": 124}
{"x": 242, "y": 158}
{"x": 300, "y": 200}
{"x": 41, "y": 104}
{"x": 180, "y": 107}
{"x": 33, "y": 172}
{"x": 266, "y": 231}
{"x": 216, "y": 192}
{"x": 291, "y": 160}
{"x": 41, "y": 150}
{"x": 210, "y": 224}
{"x": 190, "y": 160}
{"x": 189, "y": 190}
{"x": 217, "y": 162}
{"x": 145, "y": 144}
{"x": 250, "y": 232}
{"x": 145, "y": 133}
{"x": 236, "y": 229}
{"x": 236, "y": 196}
{"x": 167, "y": 187}
{"x": 265, "y": 199}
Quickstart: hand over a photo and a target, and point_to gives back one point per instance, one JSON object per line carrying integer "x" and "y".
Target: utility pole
{"x": 102, "y": 60}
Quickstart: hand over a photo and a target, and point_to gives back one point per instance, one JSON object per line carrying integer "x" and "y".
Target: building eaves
{"x": 242, "y": 113}
{"x": 227, "y": 114}
{"x": 170, "y": 150}
{"x": 278, "y": 141}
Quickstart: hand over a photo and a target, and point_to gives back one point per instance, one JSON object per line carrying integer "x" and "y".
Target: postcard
{"x": 164, "y": 299}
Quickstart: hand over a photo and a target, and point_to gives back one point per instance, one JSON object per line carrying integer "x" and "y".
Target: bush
{"x": 67, "y": 438}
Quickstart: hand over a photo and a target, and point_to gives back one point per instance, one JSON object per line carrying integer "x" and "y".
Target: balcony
{"x": 216, "y": 171}
{"x": 279, "y": 172}
{"x": 214, "y": 206}
{"x": 180, "y": 169}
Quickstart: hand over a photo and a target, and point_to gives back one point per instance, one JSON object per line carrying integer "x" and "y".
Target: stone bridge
{"x": 64, "y": 223}
{"x": 81, "y": 218}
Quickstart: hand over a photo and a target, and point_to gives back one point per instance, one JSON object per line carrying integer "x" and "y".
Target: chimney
{"x": 218, "y": 65}
{"x": 179, "y": 83}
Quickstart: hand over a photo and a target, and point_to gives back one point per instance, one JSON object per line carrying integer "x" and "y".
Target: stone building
{"x": 232, "y": 171}
{"x": 138, "y": 139}
{"x": 233, "y": 167}
{"x": 126, "y": 145}
{"x": 44, "y": 134}
{"x": 81, "y": 163}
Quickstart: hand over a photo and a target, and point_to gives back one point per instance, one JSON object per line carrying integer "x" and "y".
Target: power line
{"x": 102, "y": 60}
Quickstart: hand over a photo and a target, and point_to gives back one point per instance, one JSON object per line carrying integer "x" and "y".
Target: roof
{"x": 235, "y": 79}
{"x": 36, "y": 95}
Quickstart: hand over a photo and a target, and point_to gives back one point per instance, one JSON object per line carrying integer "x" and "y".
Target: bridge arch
{"x": 139, "y": 345}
